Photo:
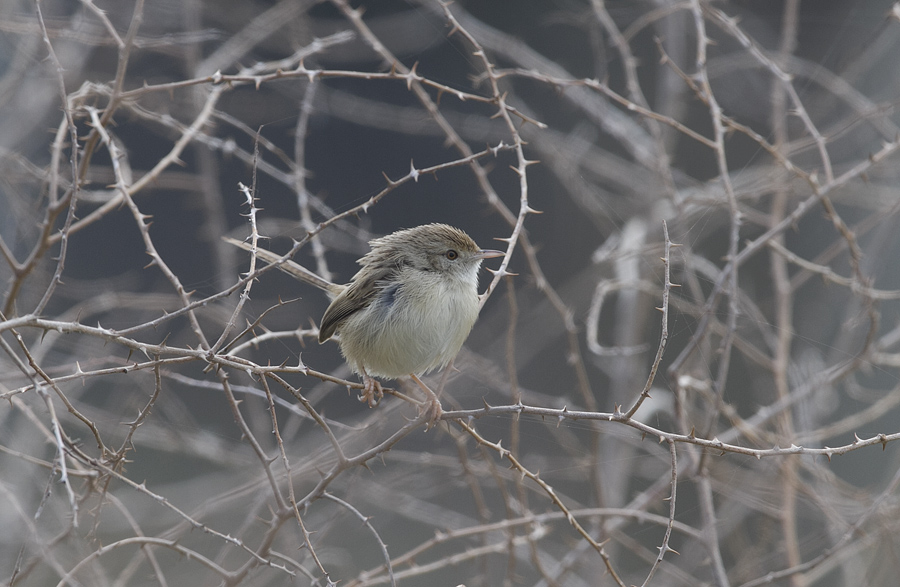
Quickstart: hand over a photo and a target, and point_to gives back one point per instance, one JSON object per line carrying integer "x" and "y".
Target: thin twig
{"x": 664, "y": 335}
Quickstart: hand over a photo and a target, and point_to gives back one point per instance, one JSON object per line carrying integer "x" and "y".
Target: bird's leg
{"x": 372, "y": 392}
{"x": 432, "y": 406}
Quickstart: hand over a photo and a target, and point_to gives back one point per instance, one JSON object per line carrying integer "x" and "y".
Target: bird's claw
{"x": 432, "y": 411}
{"x": 372, "y": 392}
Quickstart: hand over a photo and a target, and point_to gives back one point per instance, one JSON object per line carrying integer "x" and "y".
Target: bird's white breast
{"x": 412, "y": 330}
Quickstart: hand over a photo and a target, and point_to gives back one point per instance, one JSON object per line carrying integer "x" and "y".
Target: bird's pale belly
{"x": 401, "y": 337}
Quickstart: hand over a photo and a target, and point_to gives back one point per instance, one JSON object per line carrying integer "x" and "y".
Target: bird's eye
{"x": 451, "y": 254}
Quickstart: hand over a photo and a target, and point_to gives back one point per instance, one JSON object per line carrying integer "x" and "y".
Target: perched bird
{"x": 408, "y": 310}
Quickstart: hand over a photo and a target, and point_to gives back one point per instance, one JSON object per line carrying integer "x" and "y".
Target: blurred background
{"x": 167, "y": 420}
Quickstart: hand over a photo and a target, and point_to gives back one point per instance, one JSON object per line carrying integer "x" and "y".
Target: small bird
{"x": 407, "y": 311}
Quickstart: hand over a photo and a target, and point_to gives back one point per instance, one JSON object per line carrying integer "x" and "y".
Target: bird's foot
{"x": 432, "y": 411}
{"x": 372, "y": 392}
{"x": 431, "y": 408}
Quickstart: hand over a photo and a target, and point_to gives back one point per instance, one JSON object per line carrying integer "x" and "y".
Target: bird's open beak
{"x": 488, "y": 254}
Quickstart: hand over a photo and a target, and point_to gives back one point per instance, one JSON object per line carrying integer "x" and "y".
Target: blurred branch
{"x": 221, "y": 435}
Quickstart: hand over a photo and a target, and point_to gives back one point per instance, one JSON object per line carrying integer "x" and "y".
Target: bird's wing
{"x": 357, "y": 296}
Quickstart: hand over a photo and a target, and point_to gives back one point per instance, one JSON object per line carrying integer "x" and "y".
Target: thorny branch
{"x": 112, "y": 368}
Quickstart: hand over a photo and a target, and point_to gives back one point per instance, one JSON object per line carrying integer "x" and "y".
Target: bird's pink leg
{"x": 432, "y": 406}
